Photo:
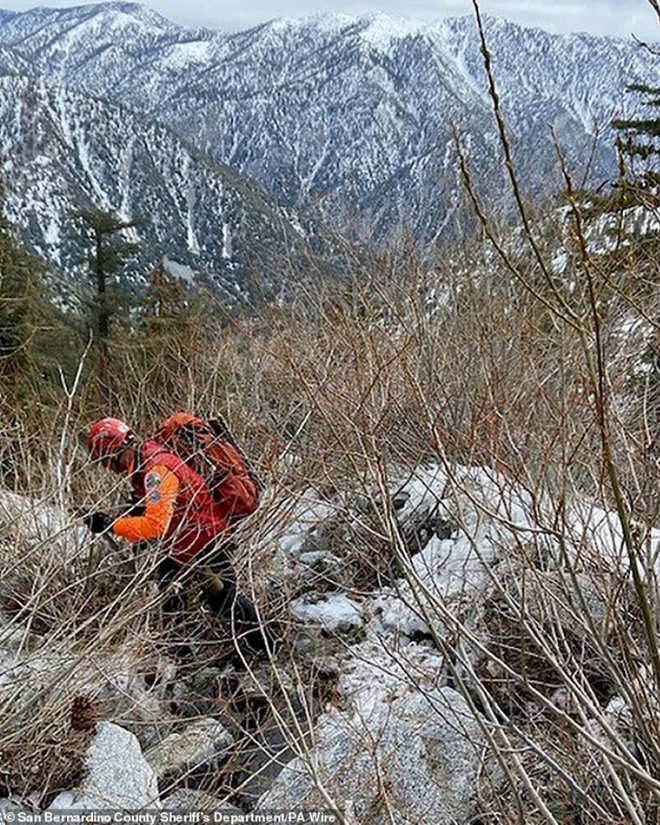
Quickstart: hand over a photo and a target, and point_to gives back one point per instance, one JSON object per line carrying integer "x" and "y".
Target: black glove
{"x": 98, "y": 522}
{"x": 136, "y": 506}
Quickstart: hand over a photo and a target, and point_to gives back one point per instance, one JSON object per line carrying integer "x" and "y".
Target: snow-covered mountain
{"x": 64, "y": 151}
{"x": 349, "y": 116}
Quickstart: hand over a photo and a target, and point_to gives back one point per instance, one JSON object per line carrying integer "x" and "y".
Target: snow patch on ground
{"x": 180, "y": 272}
{"x": 35, "y": 524}
{"x": 334, "y": 613}
{"x": 226, "y": 241}
{"x": 180, "y": 55}
{"x": 307, "y": 511}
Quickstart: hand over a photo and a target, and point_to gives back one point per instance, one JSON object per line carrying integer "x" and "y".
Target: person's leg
{"x": 173, "y": 583}
{"x": 222, "y": 598}
{"x": 171, "y": 587}
{"x": 219, "y": 581}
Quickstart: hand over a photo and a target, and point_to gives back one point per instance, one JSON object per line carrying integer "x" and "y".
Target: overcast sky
{"x": 618, "y": 17}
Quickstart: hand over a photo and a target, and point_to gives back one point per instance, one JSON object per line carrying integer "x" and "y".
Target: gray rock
{"x": 118, "y": 775}
{"x": 416, "y": 758}
{"x": 199, "y": 744}
{"x": 197, "y": 695}
{"x": 13, "y": 807}
{"x": 319, "y": 560}
{"x": 17, "y": 639}
{"x": 319, "y": 568}
{"x": 262, "y": 681}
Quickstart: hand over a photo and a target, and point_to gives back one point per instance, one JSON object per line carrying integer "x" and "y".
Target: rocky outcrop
{"x": 361, "y": 708}
{"x": 416, "y": 759}
{"x": 197, "y": 745}
{"x": 118, "y": 775}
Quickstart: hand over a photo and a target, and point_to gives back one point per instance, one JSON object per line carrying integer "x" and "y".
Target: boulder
{"x": 197, "y": 695}
{"x": 197, "y": 745}
{"x": 118, "y": 775}
{"x": 416, "y": 758}
{"x": 13, "y": 807}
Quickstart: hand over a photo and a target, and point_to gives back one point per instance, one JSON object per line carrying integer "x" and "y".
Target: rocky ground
{"x": 434, "y": 640}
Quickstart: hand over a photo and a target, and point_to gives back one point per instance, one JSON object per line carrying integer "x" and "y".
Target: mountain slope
{"x": 65, "y": 151}
{"x": 350, "y": 116}
{"x": 11, "y": 62}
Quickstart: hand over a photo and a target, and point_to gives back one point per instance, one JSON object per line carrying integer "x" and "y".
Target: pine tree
{"x": 638, "y": 183}
{"x": 31, "y": 328}
{"x": 110, "y": 252}
{"x": 633, "y": 258}
{"x": 15, "y": 320}
{"x": 37, "y": 347}
{"x": 639, "y": 141}
{"x": 635, "y": 128}
{"x": 174, "y": 336}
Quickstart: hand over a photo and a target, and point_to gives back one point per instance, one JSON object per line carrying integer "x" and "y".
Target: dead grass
{"x": 447, "y": 361}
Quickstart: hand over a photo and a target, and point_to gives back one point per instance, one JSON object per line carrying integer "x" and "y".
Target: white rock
{"x": 12, "y": 807}
{"x": 422, "y": 750}
{"x": 118, "y": 775}
{"x": 197, "y": 745}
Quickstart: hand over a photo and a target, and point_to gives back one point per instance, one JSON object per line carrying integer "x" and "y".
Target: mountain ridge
{"x": 196, "y": 211}
{"x": 350, "y": 118}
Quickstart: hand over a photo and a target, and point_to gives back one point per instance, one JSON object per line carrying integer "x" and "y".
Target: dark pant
{"x": 219, "y": 588}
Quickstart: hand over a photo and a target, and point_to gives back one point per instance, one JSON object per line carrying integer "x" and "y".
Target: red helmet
{"x": 107, "y": 438}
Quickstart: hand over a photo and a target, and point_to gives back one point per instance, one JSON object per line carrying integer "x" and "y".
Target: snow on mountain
{"x": 351, "y": 116}
{"x": 65, "y": 151}
{"x": 11, "y": 62}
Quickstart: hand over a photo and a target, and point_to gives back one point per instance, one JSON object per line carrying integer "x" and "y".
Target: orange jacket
{"x": 178, "y": 506}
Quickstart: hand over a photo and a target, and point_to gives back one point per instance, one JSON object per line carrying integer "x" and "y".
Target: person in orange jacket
{"x": 172, "y": 505}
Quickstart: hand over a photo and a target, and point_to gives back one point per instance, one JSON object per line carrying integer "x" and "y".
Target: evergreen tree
{"x": 174, "y": 337}
{"x": 632, "y": 257}
{"x": 647, "y": 128}
{"x": 16, "y": 287}
{"x": 638, "y": 183}
{"x": 638, "y": 140}
{"x": 37, "y": 348}
{"x": 33, "y": 333}
{"x": 110, "y": 252}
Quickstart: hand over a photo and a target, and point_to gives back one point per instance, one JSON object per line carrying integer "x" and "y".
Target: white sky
{"x": 617, "y": 17}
